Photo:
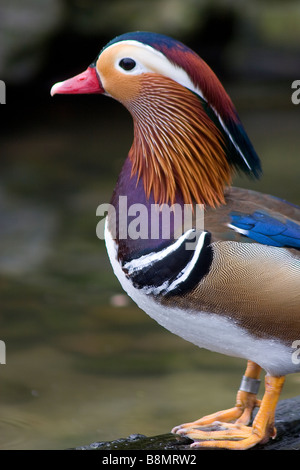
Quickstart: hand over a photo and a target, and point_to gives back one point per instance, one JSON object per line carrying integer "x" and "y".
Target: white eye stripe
{"x": 150, "y": 60}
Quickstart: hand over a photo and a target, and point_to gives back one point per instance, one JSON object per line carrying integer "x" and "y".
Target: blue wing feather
{"x": 267, "y": 229}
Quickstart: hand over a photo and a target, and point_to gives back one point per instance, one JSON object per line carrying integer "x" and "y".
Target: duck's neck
{"x": 139, "y": 226}
{"x": 177, "y": 144}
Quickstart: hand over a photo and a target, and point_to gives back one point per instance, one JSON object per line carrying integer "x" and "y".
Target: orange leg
{"x": 217, "y": 430}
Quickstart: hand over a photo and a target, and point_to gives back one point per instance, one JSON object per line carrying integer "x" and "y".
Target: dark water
{"x": 82, "y": 362}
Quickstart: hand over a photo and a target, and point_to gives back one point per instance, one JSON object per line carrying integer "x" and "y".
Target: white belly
{"x": 207, "y": 330}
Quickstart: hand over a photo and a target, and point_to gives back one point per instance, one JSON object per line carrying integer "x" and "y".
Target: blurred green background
{"x": 83, "y": 363}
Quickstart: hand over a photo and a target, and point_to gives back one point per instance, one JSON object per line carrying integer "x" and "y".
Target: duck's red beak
{"x": 86, "y": 82}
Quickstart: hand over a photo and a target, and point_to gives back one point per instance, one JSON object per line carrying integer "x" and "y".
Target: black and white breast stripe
{"x": 175, "y": 269}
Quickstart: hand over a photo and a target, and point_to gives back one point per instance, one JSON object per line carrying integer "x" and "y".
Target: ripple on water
{"x": 17, "y": 430}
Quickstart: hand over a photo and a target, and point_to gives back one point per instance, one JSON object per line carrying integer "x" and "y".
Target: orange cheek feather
{"x": 123, "y": 88}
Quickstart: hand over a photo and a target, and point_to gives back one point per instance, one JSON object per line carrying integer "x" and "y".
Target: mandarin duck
{"x": 236, "y": 290}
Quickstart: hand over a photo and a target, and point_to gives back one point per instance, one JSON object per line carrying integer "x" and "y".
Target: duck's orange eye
{"x": 127, "y": 63}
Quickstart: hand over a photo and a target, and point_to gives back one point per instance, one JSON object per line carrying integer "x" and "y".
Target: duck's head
{"x": 187, "y": 134}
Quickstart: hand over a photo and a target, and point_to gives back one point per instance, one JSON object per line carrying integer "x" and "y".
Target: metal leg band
{"x": 249, "y": 385}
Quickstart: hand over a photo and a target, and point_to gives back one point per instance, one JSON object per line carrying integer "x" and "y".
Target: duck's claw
{"x": 216, "y": 430}
{"x": 240, "y": 414}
